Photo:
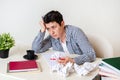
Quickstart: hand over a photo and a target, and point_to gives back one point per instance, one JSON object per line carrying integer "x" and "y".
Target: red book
{"x": 16, "y": 66}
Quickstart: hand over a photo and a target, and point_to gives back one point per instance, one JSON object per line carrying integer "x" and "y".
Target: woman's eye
{"x": 47, "y": 28}
{"x": 53, "y": 27}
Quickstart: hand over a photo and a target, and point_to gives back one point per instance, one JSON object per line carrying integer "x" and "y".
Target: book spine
{"x": 115, "y": 69}
{"x": 107, "y": 69}
{"x": 112, "y": 76}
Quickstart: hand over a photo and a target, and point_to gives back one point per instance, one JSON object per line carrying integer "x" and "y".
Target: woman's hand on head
{"x": 42, "y": 24}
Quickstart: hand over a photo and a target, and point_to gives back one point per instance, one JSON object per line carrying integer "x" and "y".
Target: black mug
{"x": 30, "y": 54}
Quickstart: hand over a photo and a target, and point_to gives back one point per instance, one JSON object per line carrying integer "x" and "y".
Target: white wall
{"x": 21, "y": 17}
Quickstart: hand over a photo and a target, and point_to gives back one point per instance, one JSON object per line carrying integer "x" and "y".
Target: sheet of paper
{"x": 48, "y": 56}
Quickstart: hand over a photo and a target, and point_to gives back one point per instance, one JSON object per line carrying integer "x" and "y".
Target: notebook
{"x": 18, "y": 66}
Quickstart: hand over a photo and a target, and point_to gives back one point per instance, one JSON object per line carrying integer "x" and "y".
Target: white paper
{"x": 69, "y": 67}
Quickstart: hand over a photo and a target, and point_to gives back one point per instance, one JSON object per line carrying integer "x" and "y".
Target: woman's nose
{"x": 52, "y": 32}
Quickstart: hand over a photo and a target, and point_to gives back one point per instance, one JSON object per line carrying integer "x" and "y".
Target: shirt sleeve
{"x": 40, "y": 44}
{"x": 88, "y": 53}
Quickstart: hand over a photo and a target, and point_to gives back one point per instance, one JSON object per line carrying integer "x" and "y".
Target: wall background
{"x": 21, "y": 18}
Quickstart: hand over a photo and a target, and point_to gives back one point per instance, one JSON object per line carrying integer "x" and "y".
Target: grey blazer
{"x": 76, "y": 42}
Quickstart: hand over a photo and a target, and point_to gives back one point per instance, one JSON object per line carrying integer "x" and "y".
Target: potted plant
{"x": 6, "y": 42}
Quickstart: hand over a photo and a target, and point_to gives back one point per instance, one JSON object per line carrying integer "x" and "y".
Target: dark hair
{"x": 53, "y": 16}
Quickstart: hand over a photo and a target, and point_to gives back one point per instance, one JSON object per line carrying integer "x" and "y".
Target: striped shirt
{"x": 76, "y": 42}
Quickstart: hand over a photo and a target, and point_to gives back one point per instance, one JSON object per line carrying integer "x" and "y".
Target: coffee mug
{"x": 30, "y": 55}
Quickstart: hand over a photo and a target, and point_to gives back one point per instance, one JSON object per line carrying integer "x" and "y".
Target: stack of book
{"x": 110, "y": 68}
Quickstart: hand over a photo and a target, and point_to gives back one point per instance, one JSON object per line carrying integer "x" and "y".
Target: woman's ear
{"x": 63, "y": 23}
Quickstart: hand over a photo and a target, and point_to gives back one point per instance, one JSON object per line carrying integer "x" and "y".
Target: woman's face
{"x": 55, "y": 30}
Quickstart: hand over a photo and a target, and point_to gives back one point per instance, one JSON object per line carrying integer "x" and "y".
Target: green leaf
{"x": 6, "y": 41}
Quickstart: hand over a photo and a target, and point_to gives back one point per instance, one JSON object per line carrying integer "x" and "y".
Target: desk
{"x": 44, "y": 75}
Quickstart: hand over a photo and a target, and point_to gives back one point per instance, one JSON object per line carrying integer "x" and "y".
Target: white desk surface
{"x": 37, "y": 75}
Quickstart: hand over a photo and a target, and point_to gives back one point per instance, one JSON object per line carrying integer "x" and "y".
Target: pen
{"x": 61, "y": 58}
